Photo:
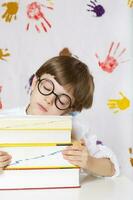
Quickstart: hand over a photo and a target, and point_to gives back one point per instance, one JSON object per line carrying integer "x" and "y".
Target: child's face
{"x": 45, "y": 104}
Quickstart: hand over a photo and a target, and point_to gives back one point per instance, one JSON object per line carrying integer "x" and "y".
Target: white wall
{"x": 84, "y": 34}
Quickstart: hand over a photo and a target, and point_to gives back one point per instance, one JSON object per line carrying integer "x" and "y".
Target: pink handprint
{"x": 111, "y": 60}
{"x": 35, "y": 13}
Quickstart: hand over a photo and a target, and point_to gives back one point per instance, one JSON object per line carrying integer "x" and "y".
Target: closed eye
{"x": 45, "y": 88}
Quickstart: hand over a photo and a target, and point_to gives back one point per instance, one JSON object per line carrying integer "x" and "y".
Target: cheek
{"x": 35, "y": 96}
{"x": 55, "y": 111}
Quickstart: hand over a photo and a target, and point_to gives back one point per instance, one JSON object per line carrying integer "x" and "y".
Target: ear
{"x": 34, "y": 82}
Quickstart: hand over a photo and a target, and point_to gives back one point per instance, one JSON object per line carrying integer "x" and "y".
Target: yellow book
{"x": 41, "y": 130}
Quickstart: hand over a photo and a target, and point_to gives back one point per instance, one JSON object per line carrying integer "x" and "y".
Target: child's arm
{"x": 5, "y": 159}
{"x": 79, "y": 155}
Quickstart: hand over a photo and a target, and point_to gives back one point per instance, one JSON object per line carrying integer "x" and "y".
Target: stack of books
{"x": 36, "y": 144}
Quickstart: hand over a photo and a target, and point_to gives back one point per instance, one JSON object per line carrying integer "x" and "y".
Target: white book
{"x": 29, "y": 130}
{"x": 38, "y": 168}
{"x": 37, "y": 157}
{"x": 39, "y": 179}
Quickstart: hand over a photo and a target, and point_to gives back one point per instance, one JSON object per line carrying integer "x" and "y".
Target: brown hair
{"x": 70, "y": 71}
{"x": 65, "y": 52}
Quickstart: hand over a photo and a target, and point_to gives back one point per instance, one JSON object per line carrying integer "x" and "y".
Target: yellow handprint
{"x": 11, "y": 10}
{"x": 119, "y": 104}
{"x": 131, "y": 156}
{"x": 2, "y": 54}
{"x": 130, "y": 3}
{"x": 1, "y": 105}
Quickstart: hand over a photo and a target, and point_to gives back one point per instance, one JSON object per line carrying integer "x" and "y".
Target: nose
{"x": 50, "y": 99}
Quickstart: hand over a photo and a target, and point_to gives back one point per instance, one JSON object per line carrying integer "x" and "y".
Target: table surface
{"x": 120, "y": 188}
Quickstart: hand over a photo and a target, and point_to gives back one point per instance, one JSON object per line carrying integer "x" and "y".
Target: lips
{"x": 42, "y": 108}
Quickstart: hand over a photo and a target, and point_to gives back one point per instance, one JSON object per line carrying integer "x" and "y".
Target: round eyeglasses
{"x": 47, "y": 87}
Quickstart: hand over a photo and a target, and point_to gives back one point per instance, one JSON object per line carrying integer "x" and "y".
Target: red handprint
{"x": 111, "y": 62}
{"x": 34, "y": 13}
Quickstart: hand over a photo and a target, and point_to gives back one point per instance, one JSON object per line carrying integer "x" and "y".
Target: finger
{"x": 5, "y": 158}
{"x": 122, "y": 95}
{"x": 111, "y": 106}
{"x": 4, "y": 4}
{"x": 73, "y": 148}
{"x": 3, "y": 153}
{"x": 76, "y": 143}
{"x": 77, "y": 163}
{"x": 130, "y": 150}
{"x": 82, "y": 141}
{"x": 4, "y": 164}
{"x": 72, "y": 152}
{"x": 112, "y": 101}
{"x": 72, "y": 158}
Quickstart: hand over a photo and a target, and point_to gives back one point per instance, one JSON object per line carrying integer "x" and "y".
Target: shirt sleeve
{"x": 98, "y": 150}
{"x": 95, "y": 147}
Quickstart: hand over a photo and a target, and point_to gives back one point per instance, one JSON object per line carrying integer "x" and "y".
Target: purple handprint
{"x": 98, "y": 9}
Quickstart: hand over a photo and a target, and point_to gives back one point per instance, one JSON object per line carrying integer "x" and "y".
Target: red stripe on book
{"x": 42, "y": 188}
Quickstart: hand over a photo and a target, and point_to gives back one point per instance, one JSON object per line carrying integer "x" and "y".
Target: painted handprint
{"x": 111, "y": 60}
{"x": 130, "y": 3}
{"x": 11, "y": 11}
{"x": 3, "y": 53}
{"x": 1, "y": 105}
{"x": 119, "y": 104}
{"x": 36, "y": 15}
{"x": 96, "y": 8}
{"x": 131, "y": 155}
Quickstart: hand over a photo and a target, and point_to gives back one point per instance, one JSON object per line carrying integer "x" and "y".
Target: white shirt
{"x": 95, "y": 147}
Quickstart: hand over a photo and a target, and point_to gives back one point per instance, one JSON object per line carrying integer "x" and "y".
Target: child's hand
{"x": 5, "y": 159}
{"x": 77, "y": 154}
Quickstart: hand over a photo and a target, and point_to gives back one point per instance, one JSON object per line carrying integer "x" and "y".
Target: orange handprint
{"x": 131, "y": 156}
{"x": 11, "y": 10}
{"x": 130, "y": 3}
{"x": 2, "y": 54}
{"x": 119, "y": 104}
{"x": 1, "y": 105}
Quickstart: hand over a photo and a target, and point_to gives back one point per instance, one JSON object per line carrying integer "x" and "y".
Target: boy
{"x": 62, "y": 86}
